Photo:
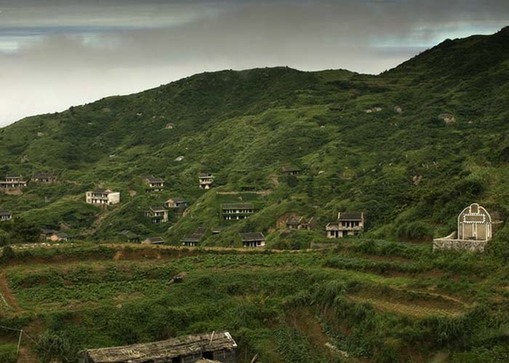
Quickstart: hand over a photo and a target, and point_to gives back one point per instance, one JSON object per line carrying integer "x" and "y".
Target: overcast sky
{"x": 59, "y": 53}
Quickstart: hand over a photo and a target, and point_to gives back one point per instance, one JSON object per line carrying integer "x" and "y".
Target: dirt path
{"x": 6, "y": 296}
{"x": 25, "y": 355}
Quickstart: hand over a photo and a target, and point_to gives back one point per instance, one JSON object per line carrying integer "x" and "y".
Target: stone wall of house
{"x": 459, "y": 245}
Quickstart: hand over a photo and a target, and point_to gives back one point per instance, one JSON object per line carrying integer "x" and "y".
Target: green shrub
{"x": 8, "y": 353}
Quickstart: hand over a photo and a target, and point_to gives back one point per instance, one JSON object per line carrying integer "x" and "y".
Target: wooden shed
{"x": 216, "y": 346}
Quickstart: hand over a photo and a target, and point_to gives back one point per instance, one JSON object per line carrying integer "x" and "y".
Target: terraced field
{"x": 356, "y": 303}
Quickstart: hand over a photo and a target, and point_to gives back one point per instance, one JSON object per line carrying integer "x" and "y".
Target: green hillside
{"x": 410, "y": 148}
{"x": 361, "y": 142}
{"x": 244, "y": 126}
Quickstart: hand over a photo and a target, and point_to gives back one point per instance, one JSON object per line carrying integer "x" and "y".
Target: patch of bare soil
{"x": 7, "y": 296}
{"x": 411, "y": 303}
{"x": 302, "y": 320}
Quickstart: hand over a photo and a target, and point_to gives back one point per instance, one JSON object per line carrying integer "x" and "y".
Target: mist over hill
{"x": 410, "y": 148}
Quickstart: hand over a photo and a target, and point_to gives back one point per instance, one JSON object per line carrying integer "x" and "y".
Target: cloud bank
{"x": 63, "y": 53}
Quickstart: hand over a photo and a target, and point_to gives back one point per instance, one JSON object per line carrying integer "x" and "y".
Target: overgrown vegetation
{"x": 286, "y": 306}
{"x": 377, "y": 144}
{"x": 410, "y": 148}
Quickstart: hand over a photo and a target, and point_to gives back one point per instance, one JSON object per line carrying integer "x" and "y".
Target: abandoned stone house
{"x": 216, "y": 346}
{"x": 44, "y": 177}
{"x": 347, "y": 224}
{"x": 194, "y": 239}
{"x": 153, "y": 184}
{"x": 205, "y": 180}
{"x": 176, "y": 203}
{"x": 236, "y": 211}
{"x": 291, "y": 170}
{"x": 5, "y": 215}
{"x": 252, "y": 239}
{"x": 474, "y": 231}
{"x": 157, "y": 215}
{"x": 102, "y": 197}
{"x": 13, "y": 182}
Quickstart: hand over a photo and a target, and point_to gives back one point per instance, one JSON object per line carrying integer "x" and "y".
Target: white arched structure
{"x": 474, "y": 223}
{"x": 474, "y": 231}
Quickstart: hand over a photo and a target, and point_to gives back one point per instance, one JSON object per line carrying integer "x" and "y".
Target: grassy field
{"x": 357, "y": 300}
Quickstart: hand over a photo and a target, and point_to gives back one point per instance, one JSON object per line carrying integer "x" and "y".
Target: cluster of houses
{"x": 18, "y": 182}
{"x": 474, "y": 222}
{"x": 15, "y": 183}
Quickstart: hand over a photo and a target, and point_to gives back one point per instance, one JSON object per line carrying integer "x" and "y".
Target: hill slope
{"x": 410, "y": 148}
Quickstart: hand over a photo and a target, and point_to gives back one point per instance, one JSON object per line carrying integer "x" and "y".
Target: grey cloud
{"x": 76, "y": 51}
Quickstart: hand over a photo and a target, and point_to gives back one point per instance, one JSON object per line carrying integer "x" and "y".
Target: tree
{"x": 24, "y": 232}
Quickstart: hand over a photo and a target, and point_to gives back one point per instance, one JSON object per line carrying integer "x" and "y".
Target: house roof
{"x": 160, "y": 351}
{"x": 290, "y": 168}
{"x": 197, "y": 236}
{"x": 4, "y": 213}
{"x": 153, "y": 179}
{"x": 350, "y": 216}
{"x": 252, "y": 236}
{"x": 155, "y": 240}
{"x": 192, "y": 238}
{"x": 101, "y": 191}
{"x": 158, "y": 209}
{"x": 205, "y": 175}
{"x": 177, "y": 200}
{"x": 43, "y": 175}
{"x": 237, "y": 206}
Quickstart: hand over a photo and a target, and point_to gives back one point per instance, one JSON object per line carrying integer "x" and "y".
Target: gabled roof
{"x": 155, "y": 240}
{"x": 4, "y": 213}
{"x": 162, "y": 351}
{"x": 252, "y": 236}
{"x": 237, "y": 206}
{"x": 153, "y": 179}
{"x": 158, "y": 209}
{"x": 205, "y": 175}
{"x": 196, "y": 236}
{"x": 350, "y": 216}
